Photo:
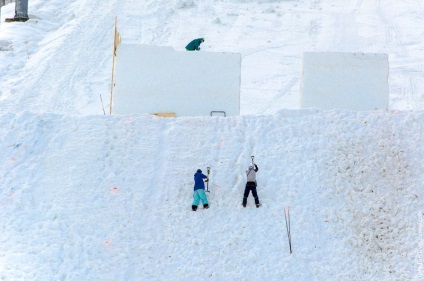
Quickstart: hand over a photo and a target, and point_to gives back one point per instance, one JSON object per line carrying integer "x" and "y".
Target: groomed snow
{"x": 85, "y": 196}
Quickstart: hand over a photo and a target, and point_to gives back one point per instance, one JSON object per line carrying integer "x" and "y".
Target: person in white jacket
{"x": 251, "y": 185}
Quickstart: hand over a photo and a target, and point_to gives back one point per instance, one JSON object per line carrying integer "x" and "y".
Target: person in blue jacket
{"x": 195, "y": 44}
{"x": 199, "y": 190}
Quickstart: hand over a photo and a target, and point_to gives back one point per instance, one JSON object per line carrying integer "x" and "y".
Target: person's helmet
{"x": 250, "y": 167}
{"x": 199, "y": 171}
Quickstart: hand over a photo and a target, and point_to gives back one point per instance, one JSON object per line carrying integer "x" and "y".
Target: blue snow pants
{"x": 199, "y": 194}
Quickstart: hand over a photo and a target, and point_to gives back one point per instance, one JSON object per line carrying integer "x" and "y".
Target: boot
{"x": 206, "y": 206}
{"x": 194, "y": 207}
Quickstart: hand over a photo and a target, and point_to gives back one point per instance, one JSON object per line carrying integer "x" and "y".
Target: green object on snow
{"x": 195, "y": 44}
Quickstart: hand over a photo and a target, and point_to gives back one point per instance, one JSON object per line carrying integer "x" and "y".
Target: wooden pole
{"x": 116, "y": 42}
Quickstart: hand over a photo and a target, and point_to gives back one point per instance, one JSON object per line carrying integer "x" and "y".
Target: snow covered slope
{"x": 108, "y": 198}
{"x": 90, "y": 197}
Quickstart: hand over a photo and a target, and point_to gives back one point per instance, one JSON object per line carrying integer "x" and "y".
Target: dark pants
{"x": 21, "y": 9}
{"x": 250, "y": 186}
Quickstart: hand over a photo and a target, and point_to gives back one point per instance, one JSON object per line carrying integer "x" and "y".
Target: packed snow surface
{"x": 84, "y": 196}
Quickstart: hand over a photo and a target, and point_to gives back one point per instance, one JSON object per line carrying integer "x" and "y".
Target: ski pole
{"x": 208, "y": 169}
{"x": 288, "y": 226}
{"x": 288, "y": 215}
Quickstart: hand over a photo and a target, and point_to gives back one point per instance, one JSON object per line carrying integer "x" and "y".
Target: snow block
{"x": 349, "y": 81}
{"x": 152, "y": 79}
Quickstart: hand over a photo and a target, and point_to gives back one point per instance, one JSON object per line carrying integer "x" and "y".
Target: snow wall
{"x": 152, "y": 79}
{"x": 351, "y": 81}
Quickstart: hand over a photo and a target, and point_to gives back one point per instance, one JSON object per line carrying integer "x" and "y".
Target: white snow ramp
{"x": 351, "y": 81}
{"x": 151, "y": 79}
